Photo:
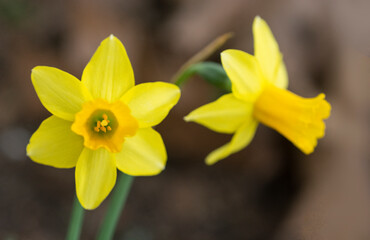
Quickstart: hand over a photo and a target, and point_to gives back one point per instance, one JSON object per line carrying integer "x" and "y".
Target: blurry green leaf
{"x": 212, "y": 72}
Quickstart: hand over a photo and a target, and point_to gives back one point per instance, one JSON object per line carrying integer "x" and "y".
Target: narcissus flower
{"x": 101, "y": 123}
{"x": 259, "y": 94}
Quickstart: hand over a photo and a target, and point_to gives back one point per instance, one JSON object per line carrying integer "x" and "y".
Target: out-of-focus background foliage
{"x": 270, "y": 190}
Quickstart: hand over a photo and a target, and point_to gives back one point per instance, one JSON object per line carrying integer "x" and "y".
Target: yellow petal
{"x": 60, "y": 92}
{"x": 95, "y": 176}
{"x": 151, "y": 102}
{"x": 54, "y": 144}
{"x": 143, "y": 154}
{"x": 109, "y": 74}
{"x": 244, "y": 73}
{"x": 268, "y": 54}
{"x": 240, "y": 140}
{"x": 281, "y": 80}
{"x": 225, "y": 115}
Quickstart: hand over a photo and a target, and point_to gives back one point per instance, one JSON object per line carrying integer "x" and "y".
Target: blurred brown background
{"x": 269, "y": 190}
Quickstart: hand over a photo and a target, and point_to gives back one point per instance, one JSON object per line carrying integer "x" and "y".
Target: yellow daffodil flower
{"x": 101, "y": 123}
{"x": 259, "y": 95}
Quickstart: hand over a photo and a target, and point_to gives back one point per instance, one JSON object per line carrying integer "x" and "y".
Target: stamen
{"x": 103, "y": 129}
{"x": 103, "y": 125}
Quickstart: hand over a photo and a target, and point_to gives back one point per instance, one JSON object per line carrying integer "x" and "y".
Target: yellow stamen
{"x": 298, "y": 119}
{"x": 103, "y": 129}
{"x": 103, "y": 125}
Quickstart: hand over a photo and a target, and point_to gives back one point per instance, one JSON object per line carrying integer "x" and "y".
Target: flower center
{"x": 104, "y": 124}
{"x": 298, "y": 119}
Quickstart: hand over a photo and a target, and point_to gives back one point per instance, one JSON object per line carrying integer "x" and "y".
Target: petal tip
{"x": 228, "y": 52}
{"x": 224, "y": 53}
{"x": 210, "y": 160}
{"x": 176, "y": 91}
{"x": 258, "y": 21}
{"x": 188, "y": 118}
{"x": 235, "y": 53}
{"x": 113, "y": 38}
{"x": 35, "y": 70}
{"x": 87, "y": 206}
{"x": 227, "y": 55}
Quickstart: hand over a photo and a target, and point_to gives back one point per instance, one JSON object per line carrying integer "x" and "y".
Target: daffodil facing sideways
{"x": 259, "y": 95}
{"x": 101, "y": 123}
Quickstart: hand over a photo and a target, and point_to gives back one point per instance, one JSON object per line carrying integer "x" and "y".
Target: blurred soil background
{"x": 269, "y": 190}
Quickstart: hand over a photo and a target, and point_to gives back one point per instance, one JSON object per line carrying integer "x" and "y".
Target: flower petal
{"x": 54, "y": 144}
{"x": 151, "y": 102}
{"x": 109, "y": 74}
{"x": 240, "y": 140}
{"x": 281, "y": 80}
{"x": 244, "y": 73}
{"x": 60, "y": 92}
{"x": 225, "y": 115}
{"x": 143, "y": 154}
{"x": 268, "y": 54}
{"x": 95, "y": 176}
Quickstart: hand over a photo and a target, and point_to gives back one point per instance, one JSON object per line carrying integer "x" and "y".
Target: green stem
{"x": 211, "y": 72}
{"x": 115, "y": 207}
{"x": 75, "y": 224}
{"x": 184, "y": 76}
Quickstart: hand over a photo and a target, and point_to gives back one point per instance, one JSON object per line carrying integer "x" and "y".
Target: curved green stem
{"x": 184, "y": 76}
{"x": 75, "y": 224}
{"x": 115, "y": 207}
{"x": 211, "y": 72}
